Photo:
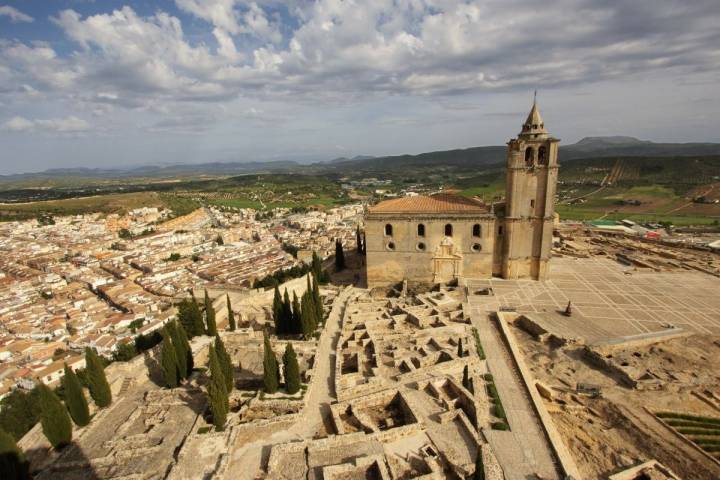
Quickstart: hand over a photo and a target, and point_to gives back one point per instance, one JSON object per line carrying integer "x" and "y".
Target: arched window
{"x": 421, "y": 230}
{"x": 448, "y": 230}
{"x": 388, "y": 230}
{"x": 529, "y": 154}
{"x": 476, "y": 230}
{"x": 542, "y": 156}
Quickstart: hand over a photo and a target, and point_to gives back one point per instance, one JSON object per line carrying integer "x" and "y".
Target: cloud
{"x": 14, "y": 14}
{"x": 69, "y": 124}
{"x": 340, "y": 51}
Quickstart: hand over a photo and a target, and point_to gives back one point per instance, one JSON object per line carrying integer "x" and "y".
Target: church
{"x": 444, "y": 237}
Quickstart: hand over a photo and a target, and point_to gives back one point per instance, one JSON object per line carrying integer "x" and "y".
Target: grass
{"x": 488, "y": 191}
{"x": 586, "y": 214}
{"x": 703, "y": 431}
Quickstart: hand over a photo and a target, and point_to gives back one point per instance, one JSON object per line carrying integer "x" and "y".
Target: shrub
{"x": 499, "y": 426}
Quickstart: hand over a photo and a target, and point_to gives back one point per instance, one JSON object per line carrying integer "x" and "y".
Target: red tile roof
{"x": 440, "y": 203}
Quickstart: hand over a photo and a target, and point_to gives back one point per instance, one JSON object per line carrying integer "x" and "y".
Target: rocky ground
{"x": 616, "y": 430}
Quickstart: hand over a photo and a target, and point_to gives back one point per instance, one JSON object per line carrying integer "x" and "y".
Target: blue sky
{"x": 118, "y": 83}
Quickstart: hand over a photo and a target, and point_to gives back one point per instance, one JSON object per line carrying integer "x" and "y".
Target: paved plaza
{"x": 609, "y": 299}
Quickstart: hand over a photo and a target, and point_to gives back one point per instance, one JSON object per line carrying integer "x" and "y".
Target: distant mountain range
{"x": 589, "y": 147}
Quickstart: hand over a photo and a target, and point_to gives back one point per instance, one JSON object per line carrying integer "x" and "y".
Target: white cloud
{"x": 220, "y": 13}
{"x": 69, "y": 124}
{"x": 14, "y": 14}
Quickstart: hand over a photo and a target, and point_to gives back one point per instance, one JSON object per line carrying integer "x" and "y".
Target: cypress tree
{"x": 270, "y": 367}
{"x": 358, "y": 240}
{"x": 292, "y": 370}
{"x": 231, "y": 317}
{"x": 217, "y": 394}
{"x": 75, "y": 398}
{"x": 97, "y": 381}
{"x": 185, "y": 316}
{"x": 198, "y": 328}
{"x": 317, "y": 267}
{"x": 479, "y": 466}
{"x": 189, "y": 363}
{"x": 210, "y": 316}
{"x": 305, "y": 318}
{"x": 317, "y": 301}
{"x": 13, "y": 465}
{"x": 339, "y": 256}
{"x": 296, "y": 315}
{"x": 180, "y": 350}
{"x": 169, "y": 361}
{"x": 277, "y": 310}
{"x": 286, "y": 314}
{"x": 225, "y": 364}
{"x": 466, "y": 378}
{"x": 460, "y": 349}
{"x": 56, "y": 424}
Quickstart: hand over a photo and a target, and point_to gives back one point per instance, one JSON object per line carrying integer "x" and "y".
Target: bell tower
{"x": 531, "y": 180}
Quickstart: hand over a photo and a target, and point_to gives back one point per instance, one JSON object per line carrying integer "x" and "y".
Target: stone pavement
{"x": 610, "y": 297}
{"x": 524, "y": 450}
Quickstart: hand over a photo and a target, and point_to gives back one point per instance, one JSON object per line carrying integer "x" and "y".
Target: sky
{"x": 112, "y": 84}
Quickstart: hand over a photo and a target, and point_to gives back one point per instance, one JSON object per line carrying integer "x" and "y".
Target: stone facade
{"x": 440, "y": 238}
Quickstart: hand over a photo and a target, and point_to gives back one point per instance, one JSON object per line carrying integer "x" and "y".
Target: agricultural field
{"x": 112, "y": 203}
{"x": 702, "y": 431}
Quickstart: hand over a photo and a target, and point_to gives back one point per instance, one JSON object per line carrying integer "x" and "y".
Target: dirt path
{"x": 524, "y": 450}
{"x": 684, "y": 205}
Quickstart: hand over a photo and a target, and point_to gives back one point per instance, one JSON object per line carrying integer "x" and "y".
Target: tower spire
{"x": 534, "y": 123}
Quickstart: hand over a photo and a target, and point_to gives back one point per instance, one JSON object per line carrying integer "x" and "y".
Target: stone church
{"x": 439, "y": 238}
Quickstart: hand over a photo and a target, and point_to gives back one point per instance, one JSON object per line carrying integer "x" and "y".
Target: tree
{"x": 270, "y": 367}
{"x": 196, "y": 317}
{"x": 460, "y": 349}
{"x": 190, "y": 317}
{"x": 231, "y": 317}
{"x": 75, "y": 398}
{"x": 286, "y": 323}
{"x": 292, "y": 370}
{"x": 225, "y": 364}
{"x": 277, "y": 310}
{"x": 180, "y": 350}
{"x": 125, "y": 352}
{"x": 306, "y": 320}
{"x": 317, "y": 268}
{"x": 479, "y": 466}
{"x": 217, "y": 394}
{"x": 358, "y": 240}
{"x": 56, "y": 424}
{"x": 466, "y": 381}
{"x": 297, "y": 326}
{"x": 13, "y": 465}
{"x": 189, "y": 362}
{"x": 19, "y": 412}
{"x": 317, "y": 301}
{"x": 169, "y": 361}
{"x": 210, "y": 316}
{"x": 96, "y": 379}
{"x": 339, "y": 256}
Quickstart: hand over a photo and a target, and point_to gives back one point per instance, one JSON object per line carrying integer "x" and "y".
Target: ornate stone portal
{"x": 447, "y": 262}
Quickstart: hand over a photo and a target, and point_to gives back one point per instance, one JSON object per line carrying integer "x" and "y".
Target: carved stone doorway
{"x": 447, "y": 262}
